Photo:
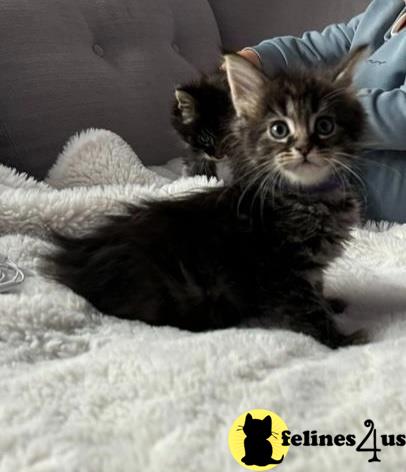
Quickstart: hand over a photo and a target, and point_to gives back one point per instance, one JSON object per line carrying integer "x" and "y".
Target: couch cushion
{"x": 67, "y": 65}
{"x": 246, "y": 23}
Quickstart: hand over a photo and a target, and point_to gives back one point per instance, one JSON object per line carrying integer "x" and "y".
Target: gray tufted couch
{"x": 68, "y": 65}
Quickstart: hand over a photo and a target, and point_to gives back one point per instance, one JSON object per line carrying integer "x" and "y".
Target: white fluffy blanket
{"x": 83, "y": 392}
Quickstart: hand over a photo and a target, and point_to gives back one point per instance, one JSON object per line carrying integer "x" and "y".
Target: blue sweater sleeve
{"x": 387, "y": 117}
{"x": 328, "y": 47}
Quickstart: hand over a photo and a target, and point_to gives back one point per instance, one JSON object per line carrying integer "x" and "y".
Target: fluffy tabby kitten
{"x": 256, "y": 247}
{"x": 201, "y": 115}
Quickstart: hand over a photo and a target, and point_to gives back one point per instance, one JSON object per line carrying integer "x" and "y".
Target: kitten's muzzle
{"x": 304, "y": 149}
{"x": 302, "y": 160}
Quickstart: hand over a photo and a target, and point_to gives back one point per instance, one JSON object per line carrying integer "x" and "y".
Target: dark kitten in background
{"x": 201, "y": 115}
{"x": 257, "y": 247}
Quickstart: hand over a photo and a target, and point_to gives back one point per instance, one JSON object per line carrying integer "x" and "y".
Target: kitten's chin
{"x": 307, "y": 174}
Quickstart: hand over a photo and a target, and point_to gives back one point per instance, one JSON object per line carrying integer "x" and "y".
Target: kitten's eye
{"x": 324, "y": 126}
{"x": 206, "y": 140}
{"x": 279, "y": 130}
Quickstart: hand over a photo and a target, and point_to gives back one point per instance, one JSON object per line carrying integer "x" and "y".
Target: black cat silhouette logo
{"x": 255, "y": 440}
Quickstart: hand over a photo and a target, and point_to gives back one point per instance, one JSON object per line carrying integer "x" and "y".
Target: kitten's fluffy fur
{"x": 254, "y": 248}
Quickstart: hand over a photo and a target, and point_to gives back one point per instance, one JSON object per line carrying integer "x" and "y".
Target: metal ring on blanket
{"x": 10, "y": 275}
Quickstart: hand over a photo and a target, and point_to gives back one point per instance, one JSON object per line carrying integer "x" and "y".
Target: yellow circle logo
{"x": 255, "y": 440}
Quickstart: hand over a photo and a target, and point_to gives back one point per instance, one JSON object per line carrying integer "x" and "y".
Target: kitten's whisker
{"x": 263, "y": 194}
{"x": 362, "y": 158}
{"x": 361, "y": 163}
{"x": 362, "y": 190}
{"x": 256, "y": 194}
{"x": 272, "y": 182}
{"x": 277, "y": 184}
{"x": 344, "y": 163}
{"x": 251, "y": 171}
{"x": 342, "y": 179}
{"x": 248, "y": 187}
{"x": 348, "y": 169}
{"x": 261, "y": 179}
{"x": 257, "y": 173}
{"x": 245, "y": 176}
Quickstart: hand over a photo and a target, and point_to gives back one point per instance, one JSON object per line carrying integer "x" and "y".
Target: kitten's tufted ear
{"x": 186, "y": 105}
{"x": 247, "y": 84}
{"x": 345, "y": 70}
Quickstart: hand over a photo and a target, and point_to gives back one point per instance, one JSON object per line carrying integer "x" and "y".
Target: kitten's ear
{"x": 248, "y": 418}
{"x": 247, "y": 84}
{"x": 345, "y": 70}
{"x": 186, "y": 105}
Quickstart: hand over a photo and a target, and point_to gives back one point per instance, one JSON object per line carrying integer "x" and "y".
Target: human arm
{"x": 328, "y": 47}
{"x": 386, "y": 112}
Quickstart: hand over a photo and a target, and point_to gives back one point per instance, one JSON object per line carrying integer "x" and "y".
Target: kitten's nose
{"x": 304, "y": 149}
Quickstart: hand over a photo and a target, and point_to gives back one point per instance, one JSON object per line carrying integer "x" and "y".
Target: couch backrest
{"x": 247, "y": 22}
{"x": 67, "y": 65}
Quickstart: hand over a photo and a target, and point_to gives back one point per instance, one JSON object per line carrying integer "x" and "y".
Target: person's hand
{"x": 252, "y": 56}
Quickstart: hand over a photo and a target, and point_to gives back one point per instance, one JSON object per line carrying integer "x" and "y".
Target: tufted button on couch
{"x": 67, "y": 65}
